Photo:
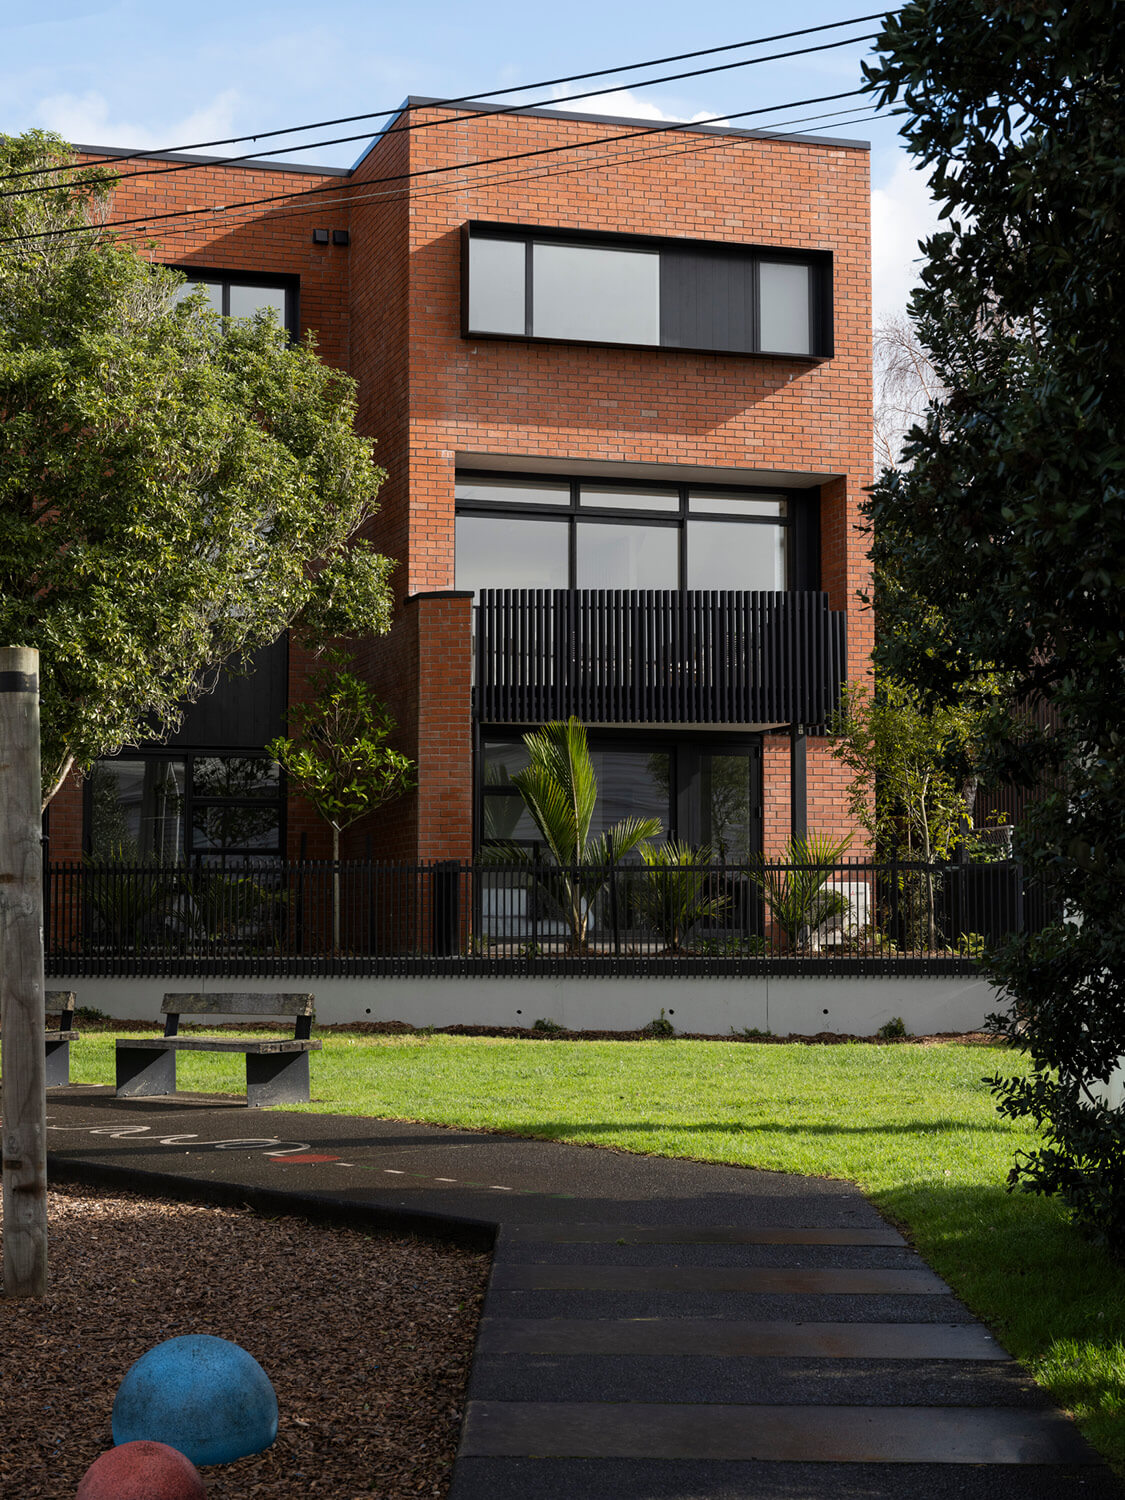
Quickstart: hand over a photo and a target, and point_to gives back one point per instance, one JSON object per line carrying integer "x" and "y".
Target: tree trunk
{"x": 335, "y": 889}
{"x": 22, "y": 998}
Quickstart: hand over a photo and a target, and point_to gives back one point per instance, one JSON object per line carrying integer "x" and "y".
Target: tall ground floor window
{"x": 705, "y": 789}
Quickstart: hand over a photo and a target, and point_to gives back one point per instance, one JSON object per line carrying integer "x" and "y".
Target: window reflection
{"x": 627, "y": 557}
{"x": 510, "y": 553}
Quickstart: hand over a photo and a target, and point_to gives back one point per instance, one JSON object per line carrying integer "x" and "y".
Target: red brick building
{"x": 622, "y": 390}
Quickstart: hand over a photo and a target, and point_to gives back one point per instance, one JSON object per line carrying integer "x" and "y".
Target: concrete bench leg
{"x": 58, "y": 1064}
{"x": 141, "y": 1072}
{"x": 277, "y": 1078}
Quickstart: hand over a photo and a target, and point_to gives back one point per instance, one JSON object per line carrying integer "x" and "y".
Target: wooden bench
{"x": 58, "y": 1042}
{"x": 277, "y": 1072}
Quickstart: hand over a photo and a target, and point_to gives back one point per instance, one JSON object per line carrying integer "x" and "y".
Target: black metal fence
{"x": 513, "y": 918}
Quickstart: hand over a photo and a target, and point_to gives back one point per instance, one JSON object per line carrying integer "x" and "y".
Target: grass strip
{"x": 912, "y": 1125}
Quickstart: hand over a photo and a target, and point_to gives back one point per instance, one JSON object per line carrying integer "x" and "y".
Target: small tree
{"x": 678, "y": 890}
{"x": 909, "y": 790}
{"x": 560, "y": 790}
{"x": 338, "y": 758}
{"x": 797, "y": 891}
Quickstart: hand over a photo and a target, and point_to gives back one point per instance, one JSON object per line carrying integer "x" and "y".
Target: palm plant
{"x": 796, "y": 889}
{"x": 677, "y": 890}
{"x": 560, "y": 790}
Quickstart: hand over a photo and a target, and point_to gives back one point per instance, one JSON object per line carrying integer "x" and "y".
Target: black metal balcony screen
{"x": 658, "y": 657}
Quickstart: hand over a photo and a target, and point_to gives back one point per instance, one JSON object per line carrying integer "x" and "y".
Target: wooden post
{"x": 22, "y": 1000}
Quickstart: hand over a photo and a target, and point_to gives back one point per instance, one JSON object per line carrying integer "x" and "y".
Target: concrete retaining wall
{"x": 781, "y": 1004}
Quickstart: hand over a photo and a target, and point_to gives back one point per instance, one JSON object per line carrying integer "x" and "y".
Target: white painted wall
{"x": 856, "y": 1006}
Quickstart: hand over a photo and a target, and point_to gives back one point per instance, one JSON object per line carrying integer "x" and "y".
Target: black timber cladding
{"x": 244, "y": 710}
{"x": 658, "y": 657}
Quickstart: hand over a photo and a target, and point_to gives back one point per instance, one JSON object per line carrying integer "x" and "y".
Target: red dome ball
{"x": 142, "y": 1471}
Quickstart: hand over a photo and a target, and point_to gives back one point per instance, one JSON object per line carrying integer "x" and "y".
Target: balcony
{"x": 657, "y": 657}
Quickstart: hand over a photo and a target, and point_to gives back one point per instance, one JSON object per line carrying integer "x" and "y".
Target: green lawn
{"x": 914, "y": 1126}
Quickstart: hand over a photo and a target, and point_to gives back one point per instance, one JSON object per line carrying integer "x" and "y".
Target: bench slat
{"x": 228, "y": 1003}
{"x": 214, "y": 1044}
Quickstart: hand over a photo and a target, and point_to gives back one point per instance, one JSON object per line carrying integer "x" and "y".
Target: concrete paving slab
{"x": 569, "y": 1253}
{"x": 790, "y": 1280}
{"x": 754, "y": 1380}
{"x": 715, "y": 1234}
{"x": 827, "y": 1434}
{"x": 798, "y": 1308}
{"x": 727, "y": 1338}
{"x": 692, "y": 1479}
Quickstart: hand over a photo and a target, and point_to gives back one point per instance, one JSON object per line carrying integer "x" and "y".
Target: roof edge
{"x": 214, "y": 161}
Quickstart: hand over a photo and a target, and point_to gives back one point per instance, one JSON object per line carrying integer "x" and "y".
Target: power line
{"x": 611, "y": 160}
{"x": 220, "y": 161}
{"x": 762, "y": 41}
{"x": 647, "y": 130}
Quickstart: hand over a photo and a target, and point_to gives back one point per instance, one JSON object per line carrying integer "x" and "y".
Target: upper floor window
{"x": 671, "y": 294}
{"x": 237, "y": 296}
{"x": 546, "y": 533}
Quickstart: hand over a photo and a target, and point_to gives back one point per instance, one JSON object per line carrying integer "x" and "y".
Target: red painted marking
{"x": 307, "y": 1156}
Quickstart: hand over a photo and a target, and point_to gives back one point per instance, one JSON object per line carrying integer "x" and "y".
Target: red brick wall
{"x": 389, "y": 309}
{"x": 576, "y": 403}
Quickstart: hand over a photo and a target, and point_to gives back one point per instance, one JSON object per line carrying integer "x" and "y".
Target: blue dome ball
{"x": 203, "y": 1395}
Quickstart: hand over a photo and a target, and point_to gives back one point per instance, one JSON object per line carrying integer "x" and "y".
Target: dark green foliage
{"x": 175, "y": 491}
{"x": 893, "y": 1029}
{"x": 1009, "y": 522}
{"x": 660, "y": 1027}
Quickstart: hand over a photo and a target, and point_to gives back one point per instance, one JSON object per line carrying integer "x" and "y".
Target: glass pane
{"x": 785, "y": 326}
{"x": 254, "y": 826}
{"x": 138, "y": 810}
{"x": 631, "y": 784}
{"x": 507, "y": 818}
{"x": 214, "y": 290}
{"x": 628, "y": 557}
{"x": 513, "y": 491}
{"x": 496, "y": 286}
{"x": 725, "y": 789}
{"x": 247, "y": 300}
{"x": 512, "y": 552}
{"x": 628, "y": 499}
{"x": 234, "y": 776}
{"x": 583, "y": 292}
{"x": 502, "y": 758}
{"x": 728, "y": 555}
{"x": 700, "y": 502}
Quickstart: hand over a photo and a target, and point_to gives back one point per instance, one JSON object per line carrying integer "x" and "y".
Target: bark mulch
{"x": 367, "y": 1340}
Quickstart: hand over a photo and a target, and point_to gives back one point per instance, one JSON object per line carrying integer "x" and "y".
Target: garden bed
{"x": 367, "y": 1340}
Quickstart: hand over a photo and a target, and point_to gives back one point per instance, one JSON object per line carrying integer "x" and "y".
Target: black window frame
{"x": 192, "y": 855}
{"x": 289, "y": 284}
{"x": 801, "y": 518}
{"x": 672, "y": 251}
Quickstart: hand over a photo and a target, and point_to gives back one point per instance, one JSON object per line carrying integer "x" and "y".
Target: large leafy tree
{"x": 1008, "y": 517}
{"x": 174, "y": 493}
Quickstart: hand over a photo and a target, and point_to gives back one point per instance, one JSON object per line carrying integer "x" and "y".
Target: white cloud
{"x": 86, "y": 119}
{"x": 625, "y": 102}
{"x": 902, "y": 213}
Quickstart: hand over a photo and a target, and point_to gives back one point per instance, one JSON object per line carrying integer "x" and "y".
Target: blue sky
{"x": 138, "y": 74}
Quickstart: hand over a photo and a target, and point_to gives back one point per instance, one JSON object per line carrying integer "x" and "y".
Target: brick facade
{"x": 388, "y": 309}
